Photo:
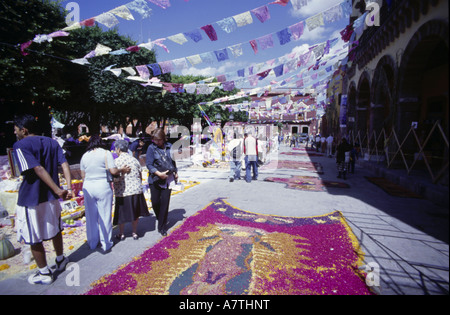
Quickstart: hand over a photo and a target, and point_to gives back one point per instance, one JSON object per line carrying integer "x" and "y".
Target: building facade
{"x": 397, "y": 80}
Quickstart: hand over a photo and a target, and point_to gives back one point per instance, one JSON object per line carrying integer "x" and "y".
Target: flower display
{"x": 315, "y": 167}
{"x": 223, "y": 250}
{"x": 307, "y": 183}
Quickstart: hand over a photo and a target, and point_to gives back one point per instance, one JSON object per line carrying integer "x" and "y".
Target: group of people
{"x": 346, "y": 156}
{"x": 38, "y": 211}
{"x": 323, "y": 144}
{"x": 346, "y": 153}
{"x": 243, "y": 150}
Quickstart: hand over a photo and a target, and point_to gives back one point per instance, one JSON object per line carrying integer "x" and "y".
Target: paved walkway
{"x": 407, "y": 238}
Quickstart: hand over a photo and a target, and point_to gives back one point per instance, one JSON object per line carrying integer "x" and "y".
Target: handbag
{"x": 109, "y": 176}
{"x": 163, "y": 164}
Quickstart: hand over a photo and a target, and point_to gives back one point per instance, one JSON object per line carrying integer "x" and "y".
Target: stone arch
{"x": 423, "y": 89}
{"x": 383, "y": 91}
{"x": 363, "y": 103}
{"x": 423, "y": 76}
{"x": 351, "y": 108}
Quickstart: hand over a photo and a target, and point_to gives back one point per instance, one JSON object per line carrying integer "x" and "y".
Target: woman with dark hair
{"x": 98, "y": 194}
{"x": 162, "y": 172}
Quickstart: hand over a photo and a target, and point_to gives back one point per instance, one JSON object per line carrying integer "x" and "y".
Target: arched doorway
{"x": 424, "y": 75}
{"x": 382, "y": 104}
{"x": 363, "y": 106}
{"x": 351, "y": 110}
{"x": 423, "y": 90}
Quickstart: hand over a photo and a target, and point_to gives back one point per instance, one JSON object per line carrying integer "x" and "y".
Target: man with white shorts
{"x": 38, "y": 212}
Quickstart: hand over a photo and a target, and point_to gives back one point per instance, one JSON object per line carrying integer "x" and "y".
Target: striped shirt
{"x": 30, "y": 152}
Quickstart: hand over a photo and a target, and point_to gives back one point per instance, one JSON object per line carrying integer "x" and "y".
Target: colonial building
{"x": 397, "y": 79}
{"x": 295, "y": 112}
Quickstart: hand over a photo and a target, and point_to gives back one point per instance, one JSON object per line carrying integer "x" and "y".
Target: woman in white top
{"x": 130, "y": 201}
{"x": 98, "y": 194}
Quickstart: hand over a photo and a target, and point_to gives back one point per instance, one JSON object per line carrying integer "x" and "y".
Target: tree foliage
{"x": 188, "y": 109}
{"x": 99, "y": 93}
{"x": 83, "y": 94}
{"x": 27, "y": 83}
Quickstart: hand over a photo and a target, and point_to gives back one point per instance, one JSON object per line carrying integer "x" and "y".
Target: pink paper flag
{"x": 88, "y": 22}
{"x": 281, "y": 2}
{"x": 58, "y": 34}
{"x": 159, "y": 42}
{"x": 296, "y": 30}
{"x": 254, "y": 45}
{"x": 265, "y": 41}
{"x": 262, "y": 13}
{"x": 162, "y": 3}
{"x": 166, "y": 66}
{"x": 143, "y": 72}
{"x": 25, "y": 46}
{"x": 133, "y": 48}
{"x": 210, "y": 31}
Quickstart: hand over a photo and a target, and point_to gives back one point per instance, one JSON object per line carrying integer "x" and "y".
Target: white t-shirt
{"x": 330, "y": 140}
{"x": 94, "y": 166}
{"x": 250, "y": 146}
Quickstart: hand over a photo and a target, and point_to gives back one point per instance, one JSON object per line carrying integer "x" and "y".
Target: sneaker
{"x": 61, "y": 265}
{"x": 39, "y": 278}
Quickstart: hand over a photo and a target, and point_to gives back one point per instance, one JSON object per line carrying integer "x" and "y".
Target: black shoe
{"x": 231, "y": 180}
{"x": 120, "y": 237}
{"x": 61, "y": 265}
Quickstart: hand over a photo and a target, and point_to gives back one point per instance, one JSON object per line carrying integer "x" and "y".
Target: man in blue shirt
{"x": 38, "y": 211}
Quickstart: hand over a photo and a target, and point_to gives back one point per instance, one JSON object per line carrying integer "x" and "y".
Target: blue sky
{"x": 185, "y": 16}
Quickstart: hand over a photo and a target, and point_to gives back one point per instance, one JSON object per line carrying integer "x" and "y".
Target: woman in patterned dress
{"x": 130, "y": 202}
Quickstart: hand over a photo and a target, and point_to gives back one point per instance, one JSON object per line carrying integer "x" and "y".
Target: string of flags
{"x": 157, "y": 69}
{"x": 230, "y": 24}
{"x": 284, "y": 36}
{"x": 266, "y": 106}
{"x": 290, "y": 63}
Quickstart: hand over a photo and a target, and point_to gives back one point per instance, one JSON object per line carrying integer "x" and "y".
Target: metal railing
{"x": 427, "y": 152}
